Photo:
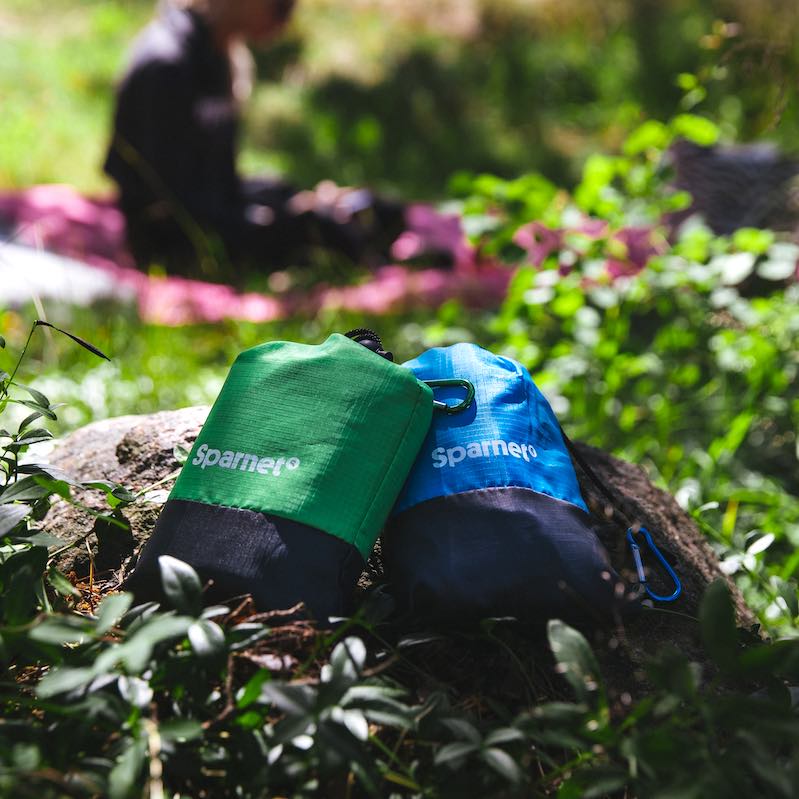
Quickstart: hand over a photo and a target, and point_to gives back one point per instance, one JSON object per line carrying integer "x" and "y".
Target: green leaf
{"x": 61, "y": 584}
{"x": 181, "y": 585}
{"x": 760, "y": 544}
{"x": 78, "y": 339}
{"x": 566, "y": 305}
{"x": 63, "y": 679}
{"x": 717, "y": 624}
{"x": 503, "y": 735}
{"x": 44, "y": 411}
{"x": 348, "y": 659}
{"x": 52, "y": 486}
{"x": 29, "y": 420}
{"x": 728, "y": 444}
{"x": 39, "y": 399}
{"x": 595, "y": 783}
{"x": 769, "y": 660}
{"x": 454, "y": 751}
{"x": 789, "y": 592}
{"x": 36, "y": 435}
{"x": 598, "y": 173}
{"x": 395, "y": 719}
{"x": 565, "y": 713}
{"x": 696, "y": 129}
{"x": 23, "y": 592}
{"x": 135, "y": 691}
{"x": 781, "y": 262}
{"x": 353, "y": 720}
{"x": 111, "y": 610}
{"x": 116, "y": 494}
{"x": 27, "y": 441}
{"x": 774, "y": 269}
{"x": 12, "y": 515}
{"x": 100, "y": 485}
{"x": 244, "y": 636}
{"x": 252, "y": 690}
{"x": 296, "y": 700}
{"x": 402, "y": 780}
{"x": 750, "y": 239}
{"x": 24, "y": 490}
{"x": 462, "y": 729}
{"x": 575, "y": 660}
{"x": 207, "y": 638}
{"x": 47, "y": 470}
{"x": 180, "y": 730}
{"x": 39, "y": 539}
{"x": 671, "y": 670}
{"x": 502, "y": 763}
{"x": 652, "y": 135}
{"x": 138, "y": 649}
{"x": 123, "y": 494}
{"x": 61, "y": 629}
{"x": 126, "y": 776}
{"x": 734, "y": 267}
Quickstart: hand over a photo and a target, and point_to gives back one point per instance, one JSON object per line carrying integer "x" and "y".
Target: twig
{"x": 91, "y": 577}
{"x": 156, "y": 771}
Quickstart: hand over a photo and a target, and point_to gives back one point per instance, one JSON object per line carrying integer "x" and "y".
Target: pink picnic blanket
{"x": 58, "y": 219}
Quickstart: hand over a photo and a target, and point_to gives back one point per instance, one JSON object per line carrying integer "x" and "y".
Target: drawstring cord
{"x": 633, "y": 529}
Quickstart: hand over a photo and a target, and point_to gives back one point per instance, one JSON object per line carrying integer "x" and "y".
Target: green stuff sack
{"x": 292, "y": 476}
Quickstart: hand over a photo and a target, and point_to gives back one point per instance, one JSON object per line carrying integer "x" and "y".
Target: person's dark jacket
{"x": 173, "y": 150}
{"x": 173, "y": 157}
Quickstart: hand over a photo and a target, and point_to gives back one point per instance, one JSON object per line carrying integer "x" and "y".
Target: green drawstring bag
{"x": 292, "y": 476}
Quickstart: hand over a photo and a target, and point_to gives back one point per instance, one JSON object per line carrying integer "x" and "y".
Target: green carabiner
{"x": 450, "y": 383}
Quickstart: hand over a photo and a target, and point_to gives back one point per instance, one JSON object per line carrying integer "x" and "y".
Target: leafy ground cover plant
{"x": 24, "y": 496}
{"x": 218, "y": 701}
{"x": 664, "y": 343}
{"x": 114, "y": 700}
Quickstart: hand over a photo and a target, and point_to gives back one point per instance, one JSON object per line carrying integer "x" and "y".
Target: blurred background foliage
{"x": 402, "y": 95}
{"x": 510, "y": 110}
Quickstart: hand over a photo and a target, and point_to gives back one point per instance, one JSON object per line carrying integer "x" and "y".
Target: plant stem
{"x": 7, "y": 384}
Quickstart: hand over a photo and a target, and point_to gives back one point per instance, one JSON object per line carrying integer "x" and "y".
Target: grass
{"x": 155, "y": 367}
{"x": 59, "y": 62}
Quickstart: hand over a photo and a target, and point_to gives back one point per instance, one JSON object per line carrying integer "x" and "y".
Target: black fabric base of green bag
{"x": 498, "y": 552}
{"x": 280, "y": 562}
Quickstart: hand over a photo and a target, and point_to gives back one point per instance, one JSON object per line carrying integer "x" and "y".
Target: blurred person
{"x": 173, "y": 150}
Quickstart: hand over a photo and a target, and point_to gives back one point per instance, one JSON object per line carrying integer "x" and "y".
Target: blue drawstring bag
{"x": 491, "y": 521}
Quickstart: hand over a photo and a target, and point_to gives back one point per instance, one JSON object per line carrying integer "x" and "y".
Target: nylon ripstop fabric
{"x": 294, "y": 473}
{"x": 491, "y": 520}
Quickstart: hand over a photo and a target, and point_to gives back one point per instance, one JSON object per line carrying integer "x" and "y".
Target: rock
{"x": 139, "y": 453}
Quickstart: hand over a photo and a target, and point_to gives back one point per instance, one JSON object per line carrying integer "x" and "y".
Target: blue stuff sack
{"x": 491, "y": 521}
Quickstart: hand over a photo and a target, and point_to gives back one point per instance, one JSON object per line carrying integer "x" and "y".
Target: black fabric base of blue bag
{"x": 247, "y": 552}
{"x": 542, "y": 559}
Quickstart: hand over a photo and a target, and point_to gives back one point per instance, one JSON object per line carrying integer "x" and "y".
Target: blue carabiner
{"x": 639, "y": 565}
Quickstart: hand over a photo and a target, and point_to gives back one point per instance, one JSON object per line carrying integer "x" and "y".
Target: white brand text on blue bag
{"x": 482, "y": 449}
